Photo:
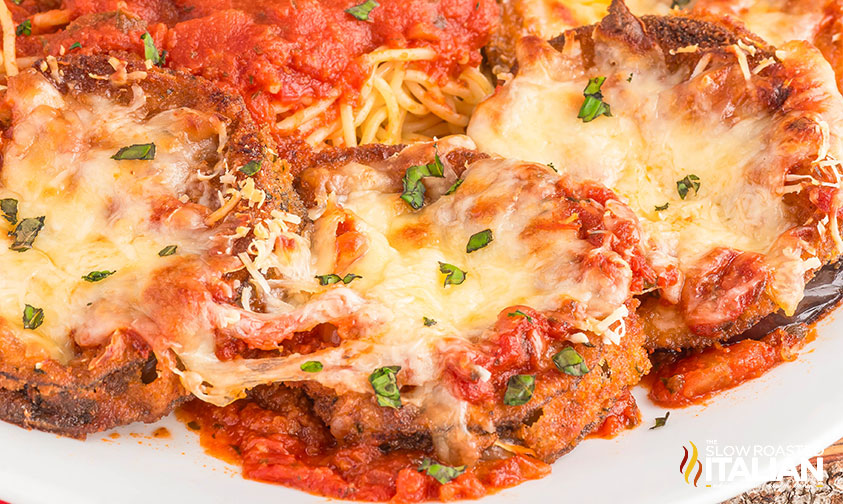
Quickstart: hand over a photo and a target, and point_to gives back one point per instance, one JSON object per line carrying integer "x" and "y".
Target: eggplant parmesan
{"x": 726, "y": 148}
{"x": 116, "y": 179}
{"x": 267, "y": 214}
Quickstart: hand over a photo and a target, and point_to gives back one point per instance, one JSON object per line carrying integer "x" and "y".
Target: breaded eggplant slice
{"x": 133, "y": 171}
{"x": 726, "y": 148}
{"x": 450, "y": 286}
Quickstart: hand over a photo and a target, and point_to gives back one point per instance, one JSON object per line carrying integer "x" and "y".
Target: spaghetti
{"x": 398, "y": 104}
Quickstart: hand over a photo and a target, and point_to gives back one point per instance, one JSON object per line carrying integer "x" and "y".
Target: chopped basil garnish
{"x": 334, "y": 278}
{"x": 143, "y": 152}
{"x": 569, "y": 361}
{"x": 9, "y": 208}
{"x": 429, "y": 321}
{"x": 686, "y": 184}
{"x": 413, "y": 188}
{"x": 32, "y": 317}
{"x": 550, "y": 165}
{"x": 168, "y": 250}
{"x": 150, "y": 52}
{"x": 386, "y": 386}
{"x": 661, "y": 421}
{"x": 75, "y": 45}
{"x": 251, "y": 168}
{"x": 663, "y": 207}
{"x": 441, "y": 473}
{"x": 593, "y": 106}
{"x": 25, "y": 233}
{"x": 479, "y": 240}
{"x": 453, "y": 275}
{"x": 519, "y": 313}
{"x": 363, "y": 10}
{"x": 629, "y": 79}
{"x": 24, "y": 28}
{"x": 311, "y": 366}
{"x": 96, "y": 276}
{"x": 454, "y": 187}
{"x": 17, "y": 2}
{"x": 519, "y": 390}
{"x": 678, "y": 4}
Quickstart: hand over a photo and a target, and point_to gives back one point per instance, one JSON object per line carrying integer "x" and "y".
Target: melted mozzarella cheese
{"x": 775, "y": 21}
{"x": 98, "y": 211}
{"x": 400, "y": 271}
{"x": 530, "y": 261}
{"x": 656, "y": 137}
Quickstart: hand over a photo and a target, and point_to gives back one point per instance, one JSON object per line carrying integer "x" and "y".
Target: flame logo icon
{"x": 686, "y": 467}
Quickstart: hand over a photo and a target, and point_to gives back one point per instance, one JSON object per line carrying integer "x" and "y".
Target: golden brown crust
{"x": 562, "y": 411}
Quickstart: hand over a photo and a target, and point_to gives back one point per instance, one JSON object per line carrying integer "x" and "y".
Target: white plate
{"x": 799, "y": 404}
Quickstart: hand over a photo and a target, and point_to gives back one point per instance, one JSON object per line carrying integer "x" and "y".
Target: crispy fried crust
{"x": 98, "y": 390}
{"x": 563, "y": 410}
{"x": 122, "y": 382}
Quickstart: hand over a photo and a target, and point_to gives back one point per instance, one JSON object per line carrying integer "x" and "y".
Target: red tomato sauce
{"x": 286, "y": 53}
{"x": 695, "y": 378}
{"x": 623, "y": 415}
{"x": 296, "y": 450}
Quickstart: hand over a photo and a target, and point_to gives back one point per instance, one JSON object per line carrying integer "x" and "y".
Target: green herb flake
{"x": 519, "y": 313}
{"x": 24, "y": 28}
{"x": 519, "y": 389}
{"x": 328, "y": 279}
{"x": 334, "y": 278}
{"x": 661, "y": 421}
{"x": 453, "y": 275}
{"x": 150, "y": 52}
{"x": 453, "y": 188}
{"x": 311, "y": 366}
{"x": 686, "y": 184}
{"x": 362, "y": 11}
{"x": 96, "y": 276}
{"x": 441, "y": 473}
{"x": 570, "y": 362}
{"x": 75, "y": 45}
{"x": 385, "y": 385}
{"x": 168, "y": 250}
{"x": 251, "y": 168}
{"x": 350, "y": 278}
{"x": 194, "y": 425}
{"x": 550, "y": 165}
{"x": 678, "y": 4}
{"x": 662, "y": 208}
{"x": 25, "y": 233}
{"x": 17, "y": 2}
{"x": 429, "y": 322}
{"x": 9, "y": 209}
{"x": 479, "y": 240}
{"x": 593, "y": 106}
{"x": 414, "y": 190}
{"x": 141, "y": 152}
{"x": 32, "y": 317}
